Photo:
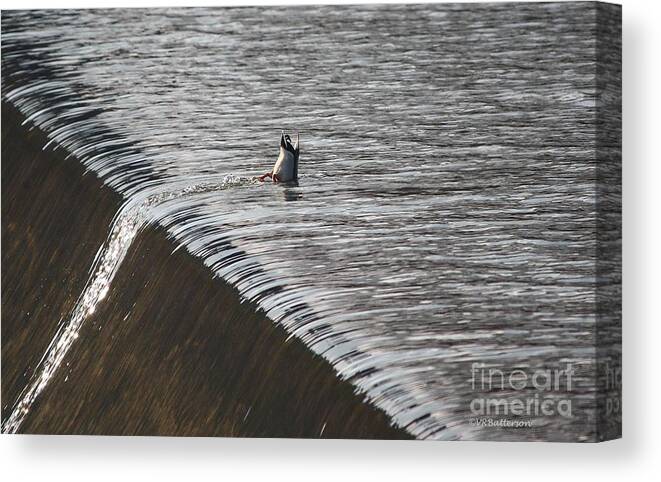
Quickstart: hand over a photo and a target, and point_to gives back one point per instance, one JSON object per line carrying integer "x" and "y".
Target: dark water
{"x": 445, "y": 214}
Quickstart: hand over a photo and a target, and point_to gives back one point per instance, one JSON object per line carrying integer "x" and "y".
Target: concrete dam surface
{"x": 192, "y": 363}
{"x": 446, "y": 266}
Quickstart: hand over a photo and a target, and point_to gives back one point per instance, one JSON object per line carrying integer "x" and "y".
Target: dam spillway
{"x": 415, "y": 245}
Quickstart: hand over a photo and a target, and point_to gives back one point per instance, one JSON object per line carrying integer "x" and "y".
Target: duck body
{"x": 286, "y": 166}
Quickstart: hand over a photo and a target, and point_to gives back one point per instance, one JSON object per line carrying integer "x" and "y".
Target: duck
{"x": 286, "y": 166}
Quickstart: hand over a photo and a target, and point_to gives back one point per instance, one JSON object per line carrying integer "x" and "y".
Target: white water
{"x": 133, "y": 215}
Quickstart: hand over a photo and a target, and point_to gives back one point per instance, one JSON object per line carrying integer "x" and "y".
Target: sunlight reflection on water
{"x": 445, "y": 211}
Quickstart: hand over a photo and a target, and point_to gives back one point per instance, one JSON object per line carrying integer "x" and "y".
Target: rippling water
{"x": 445, "y": 213}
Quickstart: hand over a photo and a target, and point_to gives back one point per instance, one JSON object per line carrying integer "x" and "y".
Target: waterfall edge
{"x": 173, "y": 352}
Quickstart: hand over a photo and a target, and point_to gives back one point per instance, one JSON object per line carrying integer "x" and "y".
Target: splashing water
{"x": 127, "y": 223}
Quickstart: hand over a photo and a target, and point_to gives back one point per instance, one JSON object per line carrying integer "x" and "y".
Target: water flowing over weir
{"x": 128, "y": 221}
{"x": 108, "y": 259}
{"x": 429, "y": 232}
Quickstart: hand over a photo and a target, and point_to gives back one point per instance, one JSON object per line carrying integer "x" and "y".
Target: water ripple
{"x": 445, "y": 215}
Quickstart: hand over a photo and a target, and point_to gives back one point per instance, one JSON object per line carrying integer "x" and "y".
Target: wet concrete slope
{"x": 170, "y": 351}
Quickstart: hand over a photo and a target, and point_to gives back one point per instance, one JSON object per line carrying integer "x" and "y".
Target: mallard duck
{"x": 286, "y": 167}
